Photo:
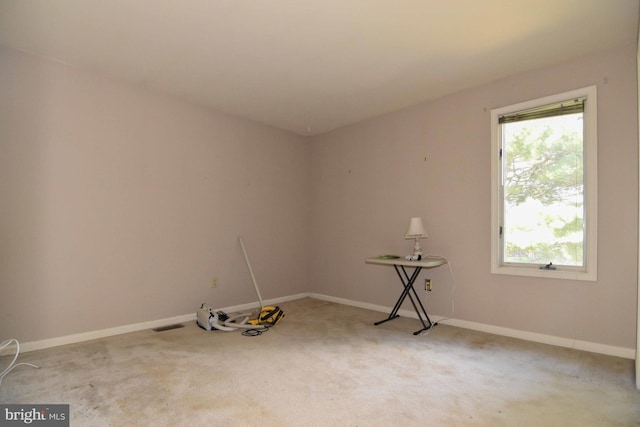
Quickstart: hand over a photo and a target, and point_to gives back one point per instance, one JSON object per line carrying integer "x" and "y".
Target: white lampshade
{"x": 416, "y": 229}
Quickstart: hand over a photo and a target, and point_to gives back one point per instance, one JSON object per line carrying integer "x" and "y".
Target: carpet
{"x": 327, "y": 364}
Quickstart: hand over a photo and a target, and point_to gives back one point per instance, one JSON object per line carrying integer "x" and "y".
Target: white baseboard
{"x": 92, "y": 335}
{"x": 609, "y": 350}
{"x": 626, "y": 353}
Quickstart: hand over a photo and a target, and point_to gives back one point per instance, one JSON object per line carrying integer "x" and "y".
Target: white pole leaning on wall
{"x": 253, "y": 278}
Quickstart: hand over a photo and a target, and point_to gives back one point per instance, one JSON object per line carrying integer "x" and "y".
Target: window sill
{"x": 535, "y": 271}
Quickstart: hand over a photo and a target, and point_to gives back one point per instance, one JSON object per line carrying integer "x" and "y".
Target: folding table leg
{"x": 407, "y": 283}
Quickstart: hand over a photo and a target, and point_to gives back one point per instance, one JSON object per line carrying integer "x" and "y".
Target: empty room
{"x": 303, "y": 212}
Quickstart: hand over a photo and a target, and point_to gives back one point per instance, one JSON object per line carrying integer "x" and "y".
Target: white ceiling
{"x": 310, "y": 66}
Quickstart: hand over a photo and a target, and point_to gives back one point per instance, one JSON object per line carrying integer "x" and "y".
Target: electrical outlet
{"x": 214, "y": 283}
{"x": 427, "y": 285}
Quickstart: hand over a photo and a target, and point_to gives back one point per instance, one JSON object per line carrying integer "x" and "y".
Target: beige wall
{"x": 369, "y": 179}
{"x": 119, "y": 206}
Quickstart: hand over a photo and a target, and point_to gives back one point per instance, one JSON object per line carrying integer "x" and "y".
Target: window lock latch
{"x": 549, "y": 266}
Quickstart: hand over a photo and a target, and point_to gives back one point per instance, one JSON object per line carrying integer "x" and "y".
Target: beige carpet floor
{"x": 326, "y": 364}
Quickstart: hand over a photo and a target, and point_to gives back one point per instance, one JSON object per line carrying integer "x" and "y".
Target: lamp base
{"x": 417, "y": 250}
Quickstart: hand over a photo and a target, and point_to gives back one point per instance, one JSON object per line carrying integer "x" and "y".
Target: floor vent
{"x": 169, "y": 327}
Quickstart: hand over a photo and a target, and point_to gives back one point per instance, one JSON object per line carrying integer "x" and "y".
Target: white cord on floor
{"x": 453, "y": 290}
{"x": 13, "y": 363}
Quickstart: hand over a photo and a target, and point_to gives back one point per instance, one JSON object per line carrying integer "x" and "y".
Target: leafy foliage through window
{"x": 545, "y": 209}
{"x": 543, "y": 190}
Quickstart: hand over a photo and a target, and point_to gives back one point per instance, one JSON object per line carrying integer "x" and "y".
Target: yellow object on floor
{"x": 269, "y": 315}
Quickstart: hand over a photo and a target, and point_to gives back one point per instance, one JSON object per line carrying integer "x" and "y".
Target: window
{"x": 544, "y": 187}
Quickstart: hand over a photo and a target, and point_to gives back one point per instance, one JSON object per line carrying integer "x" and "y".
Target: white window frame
{"x": 589, "y": 272}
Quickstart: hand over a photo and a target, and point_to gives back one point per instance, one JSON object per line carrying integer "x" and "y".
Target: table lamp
{"x": 416, "y": 231}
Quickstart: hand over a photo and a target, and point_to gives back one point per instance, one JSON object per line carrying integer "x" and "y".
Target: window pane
{"x": 543, "y": 216}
